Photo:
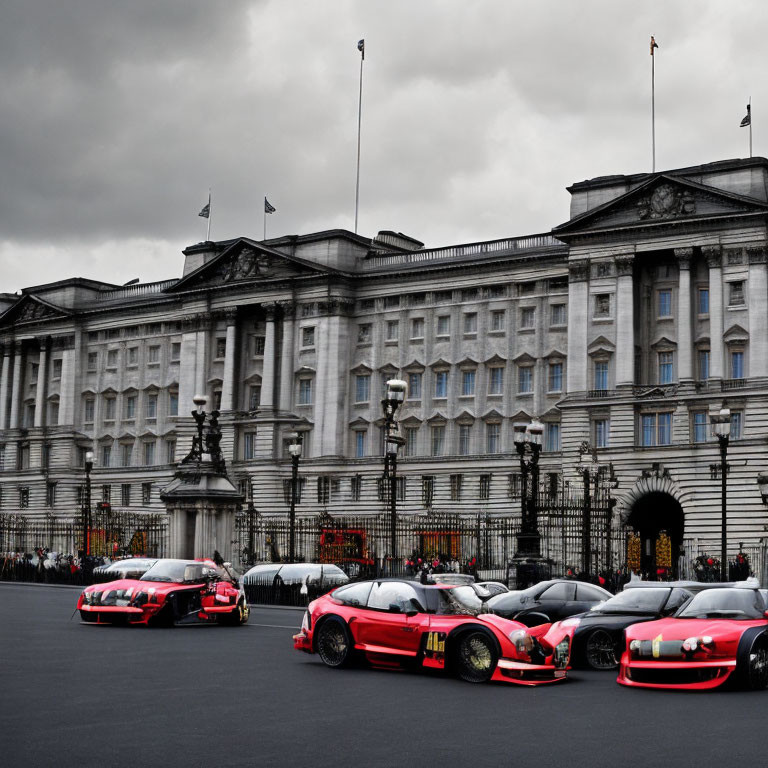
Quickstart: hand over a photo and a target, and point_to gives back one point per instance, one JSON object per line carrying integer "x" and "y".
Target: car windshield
{"x": 740, "y": 604}
{"x": 642, "y": 601}
{"x": 460, "y": 601}
{"x": 134, "y": 564}
{"x": 179, "y": 571}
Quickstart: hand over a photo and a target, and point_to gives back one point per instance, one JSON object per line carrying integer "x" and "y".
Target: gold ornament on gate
{"x": 634, "y": 552}
{"x": 663, "y": 551}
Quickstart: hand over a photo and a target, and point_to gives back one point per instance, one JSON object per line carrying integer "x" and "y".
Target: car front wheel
{"x": 757, "y": 667}
{"x": 475, "y": 658}
{"x": 333, "y": 643}
{"x": 601, "y": 650}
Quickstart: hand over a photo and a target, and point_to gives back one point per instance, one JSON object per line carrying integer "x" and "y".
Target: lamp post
{"x": 87, "y": 507}
{"x": 762, "y": 481}
{"x": 396, "y": 389}
{"x": 721, "y": 429}
{"x": 199, "y": 416}
{"x": 527, "y": 439}
{"x": 294, "y": 449}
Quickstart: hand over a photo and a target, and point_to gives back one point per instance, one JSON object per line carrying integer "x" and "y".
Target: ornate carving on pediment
{"x": 32, "y": 310}
{"x": 246, "y": 265}
{"x": 666, "y": 202}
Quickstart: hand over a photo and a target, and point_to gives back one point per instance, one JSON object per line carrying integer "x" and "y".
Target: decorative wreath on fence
{"x": 634, "y": 551}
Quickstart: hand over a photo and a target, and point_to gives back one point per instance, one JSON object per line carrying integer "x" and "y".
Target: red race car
{"x": 170, "y": 592}
{"x": 392, "y": 622}
{"x": 720, "y": 635}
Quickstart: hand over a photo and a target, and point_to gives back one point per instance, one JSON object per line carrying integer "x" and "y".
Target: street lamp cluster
{"x": 393, "y": 399}
{"x": 528, "y": 440}
{"x": 721, "y": 429}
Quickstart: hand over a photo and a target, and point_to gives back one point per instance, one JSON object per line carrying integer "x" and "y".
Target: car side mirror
{"x": 411, "y": 612}
{"x": 395, "y": 608}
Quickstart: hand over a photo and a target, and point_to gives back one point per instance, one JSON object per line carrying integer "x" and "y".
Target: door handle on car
{"x": 409, "y": 629}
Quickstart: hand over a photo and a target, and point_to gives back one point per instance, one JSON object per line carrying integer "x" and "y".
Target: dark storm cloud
{"x": 116, "y": 117}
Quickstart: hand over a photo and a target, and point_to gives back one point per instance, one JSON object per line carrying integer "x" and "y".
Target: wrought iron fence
{"x": 49, "y": 549}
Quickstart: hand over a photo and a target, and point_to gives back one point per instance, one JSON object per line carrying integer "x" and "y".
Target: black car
{"x": 548, "y": 601}
{"x": 598, "y": 634}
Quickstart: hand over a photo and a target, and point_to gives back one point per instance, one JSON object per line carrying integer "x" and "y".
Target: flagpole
{"x": 750, "y": 126}
{"x": 653, "y": 110}
{"x": 208, "y": 233}
{"x": 265, "y": 219}
{"x": 359, "y": 125}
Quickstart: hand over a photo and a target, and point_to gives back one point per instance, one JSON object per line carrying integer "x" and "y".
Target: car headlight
{"x": 86, "y": 597}
{"x": 634, "y": 645}
{"x": 522, "y": 641}
{"x": 690, "y": 644}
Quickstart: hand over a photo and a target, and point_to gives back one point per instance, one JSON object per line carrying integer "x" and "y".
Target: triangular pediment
{"x": 735, "y": 334}
{"x": 492, "y": 416}
{"x": 522, "y": 417}
{"x": 32, "y": 309}
{"x": 248, "y": 261}
{"x": 601, "y": 344}
{"x": 662, "y": 199}
{"x": 465, "y": 417}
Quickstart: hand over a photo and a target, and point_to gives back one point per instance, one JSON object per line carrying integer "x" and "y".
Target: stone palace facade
{"x": 624, "y": 326}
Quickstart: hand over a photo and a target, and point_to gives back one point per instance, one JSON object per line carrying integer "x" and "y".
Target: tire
{"x": 475, "y": 657}
{"x": 238, "y": 617}
{"x": 756, "y": 666}
{"x": 333, "y": 643}
{"x": 600, "y": 650}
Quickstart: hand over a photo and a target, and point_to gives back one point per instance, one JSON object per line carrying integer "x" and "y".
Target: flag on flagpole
{"x": 268, "y": 208}
{"x": 206, "y": 212}
{"x": 654, "y": 44}
{"x": 361, "y": 47}
{"x": 747, "y": 119}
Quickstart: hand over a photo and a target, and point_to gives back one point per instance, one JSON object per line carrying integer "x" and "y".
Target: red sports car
{"x": 170, "y": 592}
{"x": 720, "y": 635}
{"x": 392, "y": 622}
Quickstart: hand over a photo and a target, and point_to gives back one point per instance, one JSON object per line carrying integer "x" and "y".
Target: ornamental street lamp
{"x": 87, "y": 507}
{"x": 199, "y": 416}
{"x": 294, "y": 449}
{"x": 527, "y": 439}
{"x": 721, "y": 429}
{"x": 396, "y": 389}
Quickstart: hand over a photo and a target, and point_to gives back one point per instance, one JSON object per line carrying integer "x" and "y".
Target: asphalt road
{"x": 81, "y": 695}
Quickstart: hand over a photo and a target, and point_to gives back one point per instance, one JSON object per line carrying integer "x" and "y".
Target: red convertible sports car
{"x": 170, "y": 592}
{"x": 442, "y": 626}
{"x": 721, "y": 635}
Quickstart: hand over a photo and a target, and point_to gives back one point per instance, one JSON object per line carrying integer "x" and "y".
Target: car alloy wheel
{"x": 757, "y": 674}
{"x": 476, "y": 658}
{"x": 601, "y": 650}
{"x": 333, "y": 643}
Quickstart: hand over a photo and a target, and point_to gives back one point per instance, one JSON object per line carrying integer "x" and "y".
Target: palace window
{"x": 414, "y": 386}
{"x": 700, "y": 426}
{"x": 146, "y": 493}
{"x": 602, "y": 305}
{"x": 527, "y": 317}
{"x": 552, "y": 441}
{"x": 558, "y": 315}
{"x": 441, "y": 384}
{"x": 106, "y": 455}
{"x": 703, "y": 364}
{"x": 362, "y": 388}
{"x": 305, "y": 391}
{"x": 498, "y": 317}
{"x": 737, "y": 364}
{"x": 360, "y": 444}
{"x": 601, "y": 432}
{"x": 110, "y": 406}
{"x": 666, "y": 362}
{"x": 525, "y": 379}
{"x": 485, "y": 487}
{"x": 437, "y": 437}
{"x": 393, "y": 330}
{"x": 467, "y": 383}
{"x": 703, "y": 305}
{"x": 153, "y": 354}
{"x": 656, "y": 428}
{"x": 470, "y": 322}
{"x": 307, "y": 337}
{"x": 465, "y": 435}
{"x": 170, "y": 451}
{"x": 249, "y": 445}
{"x": 112, "y": 358}
{"x": 221, "y": 348}
{"x": 173, "y": 403}
{"x": 427, "y": 489}
{"x": 89, "y": 409}
{"x": 555, "y": 377}
{"x": 126, "y": 450}
{"x": 175, "y": 351}
{"x": 665, "y": 303}
{"x": 254, "y": 396}
{"x": 132, "y": 356}
{"x": 601, "y": 374}
{"x": 364, "y": 333}
{"x": 411, "y": 434}
{"x": 496, "y": 381}
{"x": 456, "y": 487}
{"x": 149, "y": 453}
{"x": 443, "y": 325}
{"x": 151, "y": 407}
{"x": 417, "y": 328}
{"x": 125, "y": 494}
{"x": 736, "y": 293}
{"x": 493, "y": 438}
{"x": 93, "y": 361}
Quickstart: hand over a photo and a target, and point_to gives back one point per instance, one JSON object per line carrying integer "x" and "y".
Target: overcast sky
{"x": 116, "y": 117}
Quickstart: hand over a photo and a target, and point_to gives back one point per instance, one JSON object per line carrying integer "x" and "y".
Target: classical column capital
{"x": 270, "y": 310}
{"x": 230, "y": 315}
{"x": 756, "y": 253}
{"x": 684, "y": 256}
{"x": 288, "y": 307}
{"x": 624, "y": 264}
{"x": 18, "y": 347}
{"x": 43, "y": 342}
{"x": 578, "y": 271}
{"x": 713, "y": 254}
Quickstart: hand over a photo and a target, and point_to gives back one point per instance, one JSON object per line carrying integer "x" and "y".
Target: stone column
{"x": 228, "y": 385}
{"x": 187, "y": 365}
{"x": 201, "y": 384}
{"x": 5, "y": 381}
{"x": 625, "y": 321}
{"x": 758, "y": 319}
{"x": 286, "y": 357}
{"x": 67, "y": 392}
{"x": 268, "y": 371}
{"x": 42, "y": 380}
{"x": 713, "y": 255}
{"x": 578, "y": 309}
{"x": 684, "y": 321}
{"x": 18, "y": 362}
